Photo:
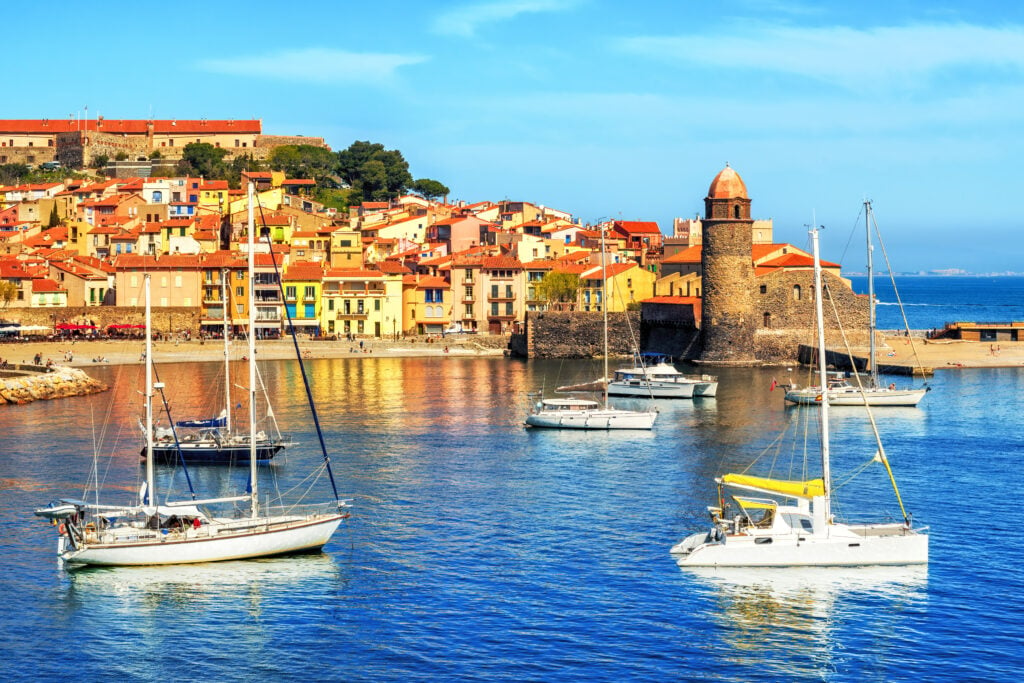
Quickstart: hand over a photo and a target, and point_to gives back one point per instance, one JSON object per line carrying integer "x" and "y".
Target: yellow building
{"x": 359, "y": 302}
{"x": 303, "y": 285}
{"x": 627, "y": 283}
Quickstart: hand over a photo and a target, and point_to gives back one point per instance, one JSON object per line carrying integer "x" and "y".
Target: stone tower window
{"x": 736, "y": 211}
{"x": 764, "y": 289}
{"x": 796, "y": 293}
{"x": 767, "y": 319}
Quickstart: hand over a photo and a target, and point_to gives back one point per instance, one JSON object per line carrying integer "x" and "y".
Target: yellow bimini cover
{"x": 794, "y": 489}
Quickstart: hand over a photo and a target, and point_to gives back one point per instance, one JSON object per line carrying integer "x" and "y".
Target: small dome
{"x": 727, "y": 185}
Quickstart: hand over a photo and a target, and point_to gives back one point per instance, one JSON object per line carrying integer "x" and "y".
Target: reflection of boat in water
{"x": 802, "y": 532}
{"x": 266, "y": 574}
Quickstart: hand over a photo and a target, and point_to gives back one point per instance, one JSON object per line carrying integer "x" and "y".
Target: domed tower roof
{"x": 727, "y": 185}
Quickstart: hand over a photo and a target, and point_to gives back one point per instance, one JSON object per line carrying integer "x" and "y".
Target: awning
{"x": 793, "y": 489}
{"x": 125, "y": 326}
{"x": 73, "y": 326}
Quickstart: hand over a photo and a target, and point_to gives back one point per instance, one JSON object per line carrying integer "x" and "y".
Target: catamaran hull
{"x": 265, "y": 541}
{"x": 898, "y": 548}
{"x": 886, "y": 397}
{"x": 593, "y": 420}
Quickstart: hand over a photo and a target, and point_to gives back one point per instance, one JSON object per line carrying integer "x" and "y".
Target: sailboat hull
{"x": 206, "y": 453}
{"x": 591, "y": 419}
{"x": 235, "y": 540}
{"x": 853, "y": 397}
{"x": 841, "y": 546}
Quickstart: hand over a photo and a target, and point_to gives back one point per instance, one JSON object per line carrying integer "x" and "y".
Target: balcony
{"x": 499, "y": 298}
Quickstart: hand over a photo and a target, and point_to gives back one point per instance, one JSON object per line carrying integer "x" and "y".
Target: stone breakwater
{"x": 59, "y": 382}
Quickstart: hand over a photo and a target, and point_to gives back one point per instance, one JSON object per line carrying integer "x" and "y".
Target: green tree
{"x": 100, "y": 160}
{"x": 12, "y": 174}
{"x": 305, "y": 161}
{"x": 54, "y": 218}
{"x": 203, "y": 159}
{"x": 560, "y": 290}
{"x": 430, "y": 189}
{"x": 375, "y": 174}
{"x": 8, "y": 292}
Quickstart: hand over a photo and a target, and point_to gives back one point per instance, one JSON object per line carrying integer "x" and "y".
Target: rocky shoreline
{"x": 27, "y": 385}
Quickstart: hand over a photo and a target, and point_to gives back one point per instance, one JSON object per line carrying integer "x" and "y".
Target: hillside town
{"x": 73, "y": 251}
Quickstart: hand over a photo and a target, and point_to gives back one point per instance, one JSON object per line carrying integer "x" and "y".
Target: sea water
{"x": 480, "y": 550}
{"x": 931, "y": 302}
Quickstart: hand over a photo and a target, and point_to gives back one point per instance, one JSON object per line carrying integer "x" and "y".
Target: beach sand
{"x": 937, "y": 354}
{"x": 117, "y": 352}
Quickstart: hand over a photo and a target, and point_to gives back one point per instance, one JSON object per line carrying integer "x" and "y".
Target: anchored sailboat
{"x": 843, "y": 393}
{"x": 152, "y": 532}
{"x": 802, "y": 531}
{"x": 580, "y": 413}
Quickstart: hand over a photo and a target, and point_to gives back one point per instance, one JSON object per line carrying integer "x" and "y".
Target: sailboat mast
{"x": 819, "y": 294}
{"x": 227, "y": 360}
{"x": 871, "y": 293}
{"x": 150, "y": 468}
{"x": 254, "y": 484}
{"x": 604, "y": 308}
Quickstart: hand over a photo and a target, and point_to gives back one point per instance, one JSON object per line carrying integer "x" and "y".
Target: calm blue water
{"x": 482, "y": 551}
{"x": 931, "y": 302}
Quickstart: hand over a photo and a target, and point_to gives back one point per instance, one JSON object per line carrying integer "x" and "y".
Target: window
{"x": 508, "y": 291}
{"x": 177, "y": 281}
{"x": 239, "y": 309}
{"x": 508, "y": 308}
{"x": 796, "y": 293}
{"x": 239, "y": 292}
{"x": 330, "y": 304}
{"x": 376, "y": 304}
{"x": 240, "y": 275}
{"x": 767, "y": 319}
{"x": 764, "y": 289}
{"x": 289, "y": 292}
{"x": 469, "y": 312}
{"x": 310, "y": 292}
{"x": 494, "y": 309}
{"x": 736, "y": 211}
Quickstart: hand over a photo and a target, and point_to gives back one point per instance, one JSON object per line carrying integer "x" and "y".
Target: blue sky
{"x": 599, "y": 107}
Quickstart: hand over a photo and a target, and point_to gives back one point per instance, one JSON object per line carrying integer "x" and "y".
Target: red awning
{"x": 125, "y": 326}
{"x": 72, "y": 326}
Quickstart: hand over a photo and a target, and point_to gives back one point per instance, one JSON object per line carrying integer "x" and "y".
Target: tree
{"x": 373, "y": 173}
{"x": 560, "y": 290}
{"x": 54, "y": 217}
{"x": 8, "y": 292}
{"x": 430, "y": 189}
{"x": 305, "y": 161}
{"x": 11, "y": 174}
{"x": 203, "y": 159}
{"x": 100, "y": 160}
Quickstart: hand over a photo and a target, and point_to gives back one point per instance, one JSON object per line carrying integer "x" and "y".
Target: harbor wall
{"x": 22, "y": 384}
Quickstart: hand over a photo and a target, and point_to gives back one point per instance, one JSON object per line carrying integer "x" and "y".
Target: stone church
{"x": 750, "y": 304}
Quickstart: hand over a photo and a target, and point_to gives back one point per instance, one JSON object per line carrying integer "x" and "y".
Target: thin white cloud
{"x": 848, "y": 57}
{"x": 467, "y": 19}
{"x": 315, "y": 65}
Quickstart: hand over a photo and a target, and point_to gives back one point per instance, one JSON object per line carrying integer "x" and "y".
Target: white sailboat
{"x": 150, "y": 532}
{"x": 841, "y": 392}
{"x": 802, "y": 531}
{"x": 579, "y": 413}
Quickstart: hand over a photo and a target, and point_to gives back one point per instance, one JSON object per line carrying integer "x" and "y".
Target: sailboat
{"x": 212, "y": 441}
{"x": 840, "y": 391}
{"x": 153, "y": 532}
{"x": 803, "y": 531}
{"x": 581, "y": 413}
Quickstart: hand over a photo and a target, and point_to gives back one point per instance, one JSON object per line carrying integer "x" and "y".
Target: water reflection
{"x": 797, "y": 612}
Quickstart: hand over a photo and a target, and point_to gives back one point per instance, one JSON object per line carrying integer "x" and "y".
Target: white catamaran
{"x": 803, "y": 531}
{"x": 152, "y": 532}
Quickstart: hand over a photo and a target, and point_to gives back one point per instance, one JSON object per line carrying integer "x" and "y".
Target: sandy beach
{"x": 85, "y": 354}
{"x": 934, "y": 354}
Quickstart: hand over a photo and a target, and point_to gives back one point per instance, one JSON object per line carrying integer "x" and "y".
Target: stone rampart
{"x": 577, "y": 334}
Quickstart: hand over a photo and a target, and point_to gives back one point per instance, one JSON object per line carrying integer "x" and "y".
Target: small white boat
{"x": 802, "y": 532}
{"x": 580, "y": 413}
{"x": 660, "y": 380}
